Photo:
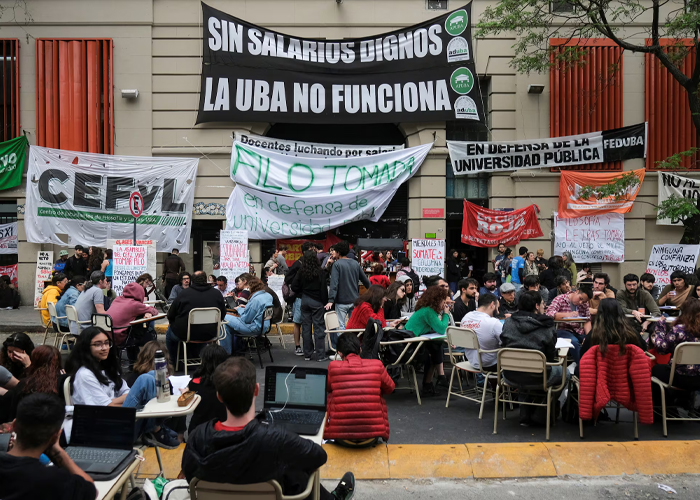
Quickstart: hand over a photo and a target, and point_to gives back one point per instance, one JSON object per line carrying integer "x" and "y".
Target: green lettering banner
{"x": 12, "y": 155}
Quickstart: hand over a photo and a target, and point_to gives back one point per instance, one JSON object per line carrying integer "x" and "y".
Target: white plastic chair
{"x": 270, "y": 490}
{"x": 330, "y": 318}
{"x": 66, "y": 392}
{"x": 403, "y": 362}
{"x": 72, "y": 315}
{"x": 200, "y": 316}
{"x": 55, "y": 319}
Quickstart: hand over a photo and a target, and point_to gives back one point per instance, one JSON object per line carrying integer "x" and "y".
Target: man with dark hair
{"x": 600, "y": 291}
{"x": 296, "y": 305}
{"x": 499, "y": 257}
{"x": 282, "y": 259}
{"x": 38, "y": 428}
{"x": 488, "y": 330}
{"x": 244, "y": 450}
{"x": 647, "y": 281}
{"x": 172, "y": 267}
{"x": 345, "y": 275}
{"x": 76, "y": 265}
{"x": 466, "y": 302}
{"x": 222, "y": 285}
{"x": 633, "y": 298}
{"x": 572, "y": 305}
{"x": 199, "y": 294}
{"x": 517, "y": 267}
{"x": 490, "y": 285}
{"x": 531, "y": 283}
{"x": 321, "y": 254}
{"x": 562, "y": 286}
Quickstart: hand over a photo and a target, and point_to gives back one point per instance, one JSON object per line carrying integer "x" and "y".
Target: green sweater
{"x": 426, "y": 320}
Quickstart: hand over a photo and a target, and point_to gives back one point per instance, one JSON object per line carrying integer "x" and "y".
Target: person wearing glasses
{"x": 96, "y": 379}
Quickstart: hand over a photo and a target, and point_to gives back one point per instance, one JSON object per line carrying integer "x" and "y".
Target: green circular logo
{"x": 462, "y": 80}
{"x": 456, "y": 22}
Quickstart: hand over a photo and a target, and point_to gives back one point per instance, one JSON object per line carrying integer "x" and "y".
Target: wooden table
{"x": 106, "y": 490}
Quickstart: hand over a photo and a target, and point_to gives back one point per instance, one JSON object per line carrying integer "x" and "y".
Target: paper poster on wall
{"x": 597, "y": 238}
{"x": 311, "y": 149}
{"x": 427, "y": 258}
{"x": 10, "y": 271}
{"x": 129, "y": 262}
{"x": 665, "y": 259}
{"x": 44, "y": 267}
{"x": 685, "y": 187}
{"x": 8, "y": 238}
{"x": 234, "y": 256}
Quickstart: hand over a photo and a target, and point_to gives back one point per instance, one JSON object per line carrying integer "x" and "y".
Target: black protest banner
{"x": 421, "y": 73}
{"x": 469, "y": 157}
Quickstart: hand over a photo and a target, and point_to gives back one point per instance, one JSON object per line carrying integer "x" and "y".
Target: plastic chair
{"x": 403, "y": 362}
{"x": 267, "y": 316}
{"x": 47, "y": 326}
{"x": 200, "y": 316}
{"x": 66, "y": 392}
{"x": 270, "y": 490}
{"x": 51, "y": 306}
{"x": 531, "y": 362}
{"x": 687, "y": 353}
{"x": 72, "y": 315}
{"x": 466, "y": 338}
{"x": 104, "y": 322}
{"x": 330, "y": 319}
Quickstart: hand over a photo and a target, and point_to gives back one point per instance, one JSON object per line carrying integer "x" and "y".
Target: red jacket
{"x": 127, "y": 308}
{"x": 361, "y": 315}
{"x": 625, "y": 379}
{"x": 380, "y": 279}
{"x": 356, "y": 407}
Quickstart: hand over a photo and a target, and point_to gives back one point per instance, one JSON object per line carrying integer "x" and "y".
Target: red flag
{"x": 483, "y": 227}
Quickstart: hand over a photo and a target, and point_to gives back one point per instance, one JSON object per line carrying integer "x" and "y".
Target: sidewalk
{"x": 25, "y": 319}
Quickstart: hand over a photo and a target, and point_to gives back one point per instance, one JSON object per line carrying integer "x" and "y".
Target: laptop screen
{"x": 298, "y": 388}
{"x": 103, "y": 427}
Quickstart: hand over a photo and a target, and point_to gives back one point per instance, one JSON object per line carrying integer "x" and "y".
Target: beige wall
{"x": 157, "y": 49}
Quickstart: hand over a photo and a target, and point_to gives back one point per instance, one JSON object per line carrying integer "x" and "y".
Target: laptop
{"x": 295, "y": 398}
{"x": 102, "y": 437}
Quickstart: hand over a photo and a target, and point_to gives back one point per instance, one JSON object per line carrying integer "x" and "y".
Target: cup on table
{"x": 641, "y": 310}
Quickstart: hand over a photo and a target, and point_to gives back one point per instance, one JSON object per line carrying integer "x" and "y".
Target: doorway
{"x": 204, "y": 247}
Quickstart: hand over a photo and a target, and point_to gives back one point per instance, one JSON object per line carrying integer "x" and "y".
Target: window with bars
{"x": 9, "y": 89}
{"x": 74, "y": 94}
{"x": 587, "y": 96}
{"x": 666, "y": 108}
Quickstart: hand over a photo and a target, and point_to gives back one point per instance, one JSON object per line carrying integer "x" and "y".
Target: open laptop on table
{"x": 102, "y": 438}
{"x": 295, "y": 398}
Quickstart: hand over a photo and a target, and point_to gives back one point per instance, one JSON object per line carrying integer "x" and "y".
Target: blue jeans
{"x": 143, "y": 390}
{"x": 575, "y": 341}
{"x": 296, "y": 311}
{"x": 342, "y": 311}
{"x": 233, "y": 325}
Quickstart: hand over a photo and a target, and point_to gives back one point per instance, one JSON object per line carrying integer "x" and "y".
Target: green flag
{"x": 12, "y": 154}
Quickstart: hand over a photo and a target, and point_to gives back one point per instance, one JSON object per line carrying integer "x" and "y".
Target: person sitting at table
{"x": 38, "y": 430}
{"x": 52, "y": 293}
{"x": 563, "y": 286}
{"x": 90, "y": 301}
{"x": 198, "y": 295}
{"x": 409, "y": 306}
{"x": 243, "y": 450}
{"x": 395, "y": 298}
{"x": 368, "y": 306}
{"x": 357, "y": 414}
{"x": 532, "y": 283}
{"x": 69, "y": 298}
{"x": 676, "y": 292}
{"x": 633, "y": 298}
{"x": 249, "y": 318}
{"x": 466, "y": 302}
{"x": 488, "y": 329}
{"x": 127, "y": 308}
{"x": 647, "y": 281}
{"x": 210, "y": 407}
{"x": 666, "y": 337}
{"x": 96, "y": 379}
{"x": 16, "y": 354}
{"x": 601, "y": 281}
{"x": 242, "y": 291}
{"x": 183, "y": 283}
{"x": 507, "y": 305}
{"x": 378, "y": 277}
{"x": 432, "y": 316}
{"x": 610, "y": 327}
{"x": 222, "y": 285}
{"x": 490, "y": 285}
{"x": 572, "y": 305}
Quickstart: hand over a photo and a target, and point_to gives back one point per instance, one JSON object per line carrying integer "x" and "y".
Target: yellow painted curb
{"x": 365, "y": 463}
{"x": 424, "y": 460}
{"x": 591, "y": 459}
{"x": 499, "y": 460}
{"x": 665, "y": 457}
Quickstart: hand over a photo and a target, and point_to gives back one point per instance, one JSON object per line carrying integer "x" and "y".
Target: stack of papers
{"x": 179, "y": 383}
{"x": 564, "y": 343}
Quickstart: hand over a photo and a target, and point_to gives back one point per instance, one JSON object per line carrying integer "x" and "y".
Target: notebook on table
{"x": 102, "y": 439}
{"x": 295, "y": 398}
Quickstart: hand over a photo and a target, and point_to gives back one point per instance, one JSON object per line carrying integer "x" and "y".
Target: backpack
{"x": 287, "y": 293}
{"x": 391, "y": 353}
{"x": 371, "y": 340}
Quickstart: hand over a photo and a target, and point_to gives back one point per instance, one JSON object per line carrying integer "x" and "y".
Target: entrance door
{"x": 204, "y": 247}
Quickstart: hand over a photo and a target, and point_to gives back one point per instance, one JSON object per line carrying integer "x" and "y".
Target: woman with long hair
{"x": 530, "y": 265}
{"x": 310, "y": 284}
{"x": 96, "y": 259}
{"x": 249, "y": 319}
{"x": 378, "y": 277}
{"x": 676, "y": 293}
{"x": 409, "y": 306}
{"x": 73, "y": 290}
{"x": 367, "y": 306}
{"x": 432, "y": 316}
{"x": 16, "y": 354}
{"x": 96, "y": 379}
{"x": 203, "y": 384}
{"x": 395, "y": 298}
{"x": 570, "y": 266}
{"x": 146, "y": 361}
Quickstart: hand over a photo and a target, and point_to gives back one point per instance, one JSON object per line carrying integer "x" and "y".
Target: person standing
{"x": 172, "y": 267}
{"x": 290, "y": 274}
{"x": 517, "y": 269}
{"x": 310, "y": 285}
{"x": 108, "y": 268}
{"x": 570, "y": 266}
{"x": 503, "y": 267}
{"x": 76, "y": 265}
{"x": 531, "y": 265}
{"x": 454, "y": 272}
{"x": 497, "y": 261}
{"x": 282, "y": 260}
{"x": 345, "y": 276}
{"x": 60, "y": 264}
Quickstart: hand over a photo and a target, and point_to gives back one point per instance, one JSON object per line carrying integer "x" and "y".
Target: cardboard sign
{"x": 427, "y": 258}
{"x": 598, "y": 238}
{"x": 151, "y": 259}
{"x": 44, "y": 267}
{"x": 665, "y": 259}
{"x": 234, "y": 257}
{"x": 128, "y": 263}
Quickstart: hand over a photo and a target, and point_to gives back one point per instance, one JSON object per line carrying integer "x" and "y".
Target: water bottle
{"x": 162, "y": 382}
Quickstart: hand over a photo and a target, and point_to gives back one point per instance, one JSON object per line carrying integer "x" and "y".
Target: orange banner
{"x": 571, "y": 205}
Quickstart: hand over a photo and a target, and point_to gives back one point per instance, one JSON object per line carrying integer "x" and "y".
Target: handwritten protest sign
{"x": 234, "y": 258}
{"x": 151, "y": 254}
{"x": 427, "y": 258}
{"x": 665, "y": 259}
{"x": 8, "y": 238}
{"x": 597, "y": 238}
{"x": 44, "y": 266}
{"x": 128, "y": 263}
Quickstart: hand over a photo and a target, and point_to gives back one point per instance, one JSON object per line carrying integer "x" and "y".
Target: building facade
{"x": 154, "y": 46}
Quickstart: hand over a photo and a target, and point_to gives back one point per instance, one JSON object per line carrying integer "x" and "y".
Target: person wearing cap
{"x": 60, "y": 264}
{"x": 466, "y": 302}
{"x": 507, "y": 304}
